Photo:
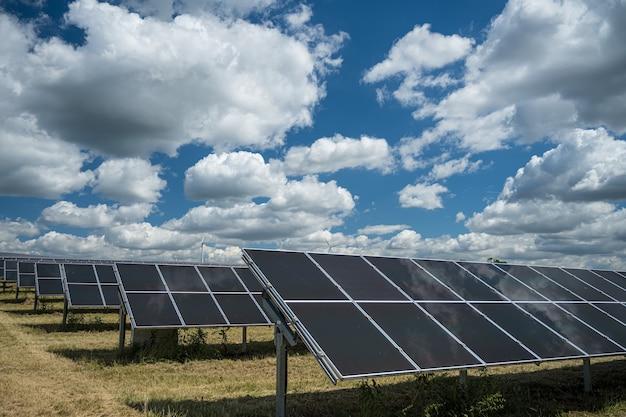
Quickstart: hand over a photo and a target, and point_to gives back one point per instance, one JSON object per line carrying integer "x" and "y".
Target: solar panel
{"x": 161, "y": 296}
{"x": 364, "y": 316}
{"x": 48, "y": 280}
{"x": 89, "y": 286}
{"x": 26, "y": 275}
{"x": 10, "y": 271}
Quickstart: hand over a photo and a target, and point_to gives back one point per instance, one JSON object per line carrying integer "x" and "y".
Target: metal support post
{"x": 587, "y": 374}
{"x": 122, "y": 340}
{"x": 244, "y": 339}
{"x": 4, "y": 286}
{"x": 65, "y": 312}
{"x": 281, "y": 373}
{"x": 35, "y": 303}
{"x": 463, "y": 378}
{"x": 17, "y": 292}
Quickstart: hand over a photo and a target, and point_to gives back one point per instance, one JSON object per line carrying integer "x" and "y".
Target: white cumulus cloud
{"x": 94, "y": 216}
{"x": 382, "y": 229}
{"x": 422, "y": 195}
{"x": 129, "y": 180}
{"x": 232, "y": 175}
{"x": 545, "y": 66}
{"x": 33, "y": 164}
{"x": 331, "y": 154}
{"x": 141, "y": 85}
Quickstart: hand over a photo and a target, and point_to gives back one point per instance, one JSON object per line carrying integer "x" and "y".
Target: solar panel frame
{"x": 135, "y": 325}
{"x": 23, "y": 275}
{"x": 9, "y": 266}
{"x": 68, "y": 293}
{"x": 38, "y": 279}
{"x": 331, "y": 369}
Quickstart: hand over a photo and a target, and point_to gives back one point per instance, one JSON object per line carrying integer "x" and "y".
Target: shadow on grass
{"x": 39, "y": 311}
{"x": 546, "y": 393}
{"x": 74, "y": 327}
{"x": 12, "y": 300}
{"x": 181, "y": 353}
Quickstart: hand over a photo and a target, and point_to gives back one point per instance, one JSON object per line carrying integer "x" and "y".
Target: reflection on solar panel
{"x": 364, "y": 316}
{"x": 160, "y": 296}
{"x": 90, "y": 287}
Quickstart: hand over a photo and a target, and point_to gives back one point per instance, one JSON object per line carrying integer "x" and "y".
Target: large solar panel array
{"x": 90, "y": 286}
{"x": 175, "y": 296}
{"x": 366, "y": 316}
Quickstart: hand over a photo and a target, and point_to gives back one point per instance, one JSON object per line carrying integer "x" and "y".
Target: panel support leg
{"x": 4, "y": 286}
{"x": 587, "y": 374}
{"x": 17, "y": 292}
{"x": 463, "y": 378}
{"x": 244, "y": 339}
{"x": 122, "y": 341}
{"x": 281, "y": 373}
{"x": 65, "y": 312}
{"x": 35, "y": 303}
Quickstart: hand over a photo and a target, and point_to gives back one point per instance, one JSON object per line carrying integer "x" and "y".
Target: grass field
{"x": 46, "y": 370}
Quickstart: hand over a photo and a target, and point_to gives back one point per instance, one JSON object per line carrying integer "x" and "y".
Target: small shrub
{"x": 372, "y": 399}
{"x": 224, "y": 345}
{"x": 75, "y": 319}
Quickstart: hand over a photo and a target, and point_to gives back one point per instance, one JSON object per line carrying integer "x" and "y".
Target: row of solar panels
{"x": 154, "y": 295}
{"x": 365, "y": 316}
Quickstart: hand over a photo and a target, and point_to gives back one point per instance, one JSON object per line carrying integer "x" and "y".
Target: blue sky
{"x": 442, "y": 129}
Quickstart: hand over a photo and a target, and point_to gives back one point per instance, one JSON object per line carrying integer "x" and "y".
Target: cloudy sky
{"x": 138, "y": 128}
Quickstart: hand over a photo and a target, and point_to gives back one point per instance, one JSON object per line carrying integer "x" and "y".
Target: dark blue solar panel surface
{"x": 88, "y": 290}
{"x": 451, "y": 314}
{"x": 197, "y": 295}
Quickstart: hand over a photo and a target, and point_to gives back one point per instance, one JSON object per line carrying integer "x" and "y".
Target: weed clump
{"x": 433, "y": 396}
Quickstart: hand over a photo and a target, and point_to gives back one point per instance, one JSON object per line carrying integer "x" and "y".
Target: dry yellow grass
{"x": 49, "y": 371}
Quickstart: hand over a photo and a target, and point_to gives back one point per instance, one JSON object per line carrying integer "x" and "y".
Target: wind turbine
{"x": 202, "y": 244}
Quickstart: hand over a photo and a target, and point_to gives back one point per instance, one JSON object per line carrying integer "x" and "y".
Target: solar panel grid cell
{"x": 106, "y": 275}
{"x": 539, "y": 282}
{"x": 48, "y": 270}
{"x": 49, "y": 287}
{"x": 460, "y": 281}
{"x": 80, "y": 274}
{"x": 501, "y": 281}
{"x": 111, "y": 295}
{"x": 413, "y": 280}
{"x": 573, "y": 329}
{"x": 221, "y": 279}
{"x": 10, "y": 275}
{"x": 576, "y": 288}
{"x": 357, "y": 277}
{"x": 600, "y": 284}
